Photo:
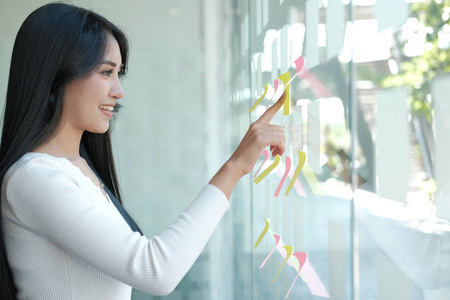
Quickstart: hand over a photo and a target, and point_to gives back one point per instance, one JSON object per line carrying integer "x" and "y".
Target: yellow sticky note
{"x": 289, "y": 250}
{"x": 285, "y": 78}
{"x": 268, "y": 170}
{"x": 260, "y": 98}
{"x": 301, "y": 163}
{"x": 263, "y": 233}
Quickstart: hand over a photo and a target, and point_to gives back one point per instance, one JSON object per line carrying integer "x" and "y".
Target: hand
{"x": 259, "y": 135}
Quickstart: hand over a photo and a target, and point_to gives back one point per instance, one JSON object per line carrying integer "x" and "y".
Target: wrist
{"x": 231, "y": 166}
{"x": 227, "y": 177}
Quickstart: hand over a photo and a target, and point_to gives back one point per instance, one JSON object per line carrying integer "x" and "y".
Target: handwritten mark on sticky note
{"x": 301, "y": 162}
{"x": 263, "y": 233}
{"x": 268, "y": 170}
{"x": 260, "y": 98}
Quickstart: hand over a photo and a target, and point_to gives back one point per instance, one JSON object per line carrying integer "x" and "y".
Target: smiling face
{"x": 89, "y": 101}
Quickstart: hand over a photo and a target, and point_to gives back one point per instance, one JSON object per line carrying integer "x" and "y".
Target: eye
{"x": 107, "y": 73}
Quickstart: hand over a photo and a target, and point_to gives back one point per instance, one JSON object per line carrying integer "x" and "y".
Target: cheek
{"x": 82, "y": 107}
{"x": 91, "y": 96}
{"x": 86, "y": 95}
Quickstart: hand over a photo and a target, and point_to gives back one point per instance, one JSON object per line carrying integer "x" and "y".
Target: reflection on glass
{"x": 376, "y": 145}
{"x": 404, "y": 237}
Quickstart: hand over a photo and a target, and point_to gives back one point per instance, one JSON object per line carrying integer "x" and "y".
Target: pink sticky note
{"x": 266, "y": 157}
{"x": 277, "y": 240}
{"x": 313, "y": 281}
{"x": 297, "y": 185}
{"x": 299, "y": 64}
{"x": 307, "y": 272}
{"x": 314, "y": 84}
{"x": 286, "y": 172}
{"x": 275, "y": 85}
{"x": 278, "y": 90}
{"x": 301, "y": 257}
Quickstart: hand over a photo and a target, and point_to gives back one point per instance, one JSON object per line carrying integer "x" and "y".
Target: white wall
{"x": 160, "y": 136}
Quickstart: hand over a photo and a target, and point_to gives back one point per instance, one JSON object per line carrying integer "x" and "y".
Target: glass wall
{"x": 367, "y": 216}
{"x": 401, "y": 56}
{"x": 308, "y": 216}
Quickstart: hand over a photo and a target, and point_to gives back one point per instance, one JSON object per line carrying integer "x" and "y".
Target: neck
{"x": 67, "y": 143}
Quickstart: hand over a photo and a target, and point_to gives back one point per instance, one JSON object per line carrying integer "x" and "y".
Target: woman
{"x": 65, "y": 234}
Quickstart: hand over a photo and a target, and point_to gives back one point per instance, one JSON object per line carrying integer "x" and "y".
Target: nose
{"x": 116, "y": 89}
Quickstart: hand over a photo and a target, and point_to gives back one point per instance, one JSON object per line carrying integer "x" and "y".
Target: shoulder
{"x": 37, "y": 169}
{"x": 38, "y": 184}
{"x": 35, "y": 164}
{"x": 36, "y": 160}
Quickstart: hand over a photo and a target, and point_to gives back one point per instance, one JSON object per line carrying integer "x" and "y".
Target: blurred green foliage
{"x": 418, "y": 71}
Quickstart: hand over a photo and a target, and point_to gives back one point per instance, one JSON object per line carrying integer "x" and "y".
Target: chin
{"x": 99, "y": 129}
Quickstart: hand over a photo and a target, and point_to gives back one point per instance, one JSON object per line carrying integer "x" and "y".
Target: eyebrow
{"x": 108, "y": 62}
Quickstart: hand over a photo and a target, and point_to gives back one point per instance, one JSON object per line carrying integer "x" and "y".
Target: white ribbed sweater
{"x": 66, "y": 241}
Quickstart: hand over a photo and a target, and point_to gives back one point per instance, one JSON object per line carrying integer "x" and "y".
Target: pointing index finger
{"x": 270, "y": 113}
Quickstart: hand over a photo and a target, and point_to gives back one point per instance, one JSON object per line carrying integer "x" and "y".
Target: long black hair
{"x": 56, "y": 44}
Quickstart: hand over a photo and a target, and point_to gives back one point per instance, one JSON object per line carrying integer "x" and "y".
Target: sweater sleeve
{"x": 46, "y": 200}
